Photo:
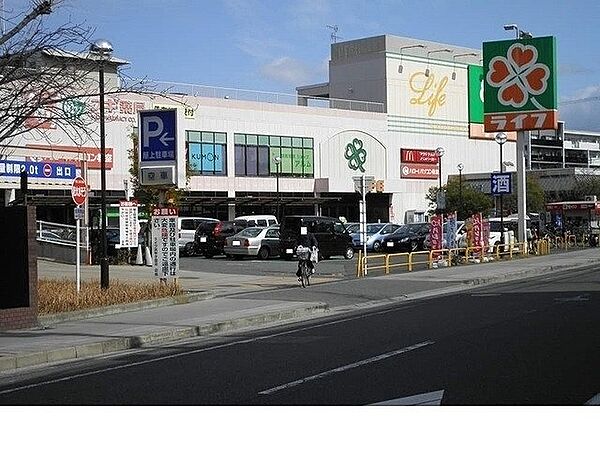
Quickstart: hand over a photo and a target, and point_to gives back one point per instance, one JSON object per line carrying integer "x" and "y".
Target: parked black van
{"x": 331, "y": 234}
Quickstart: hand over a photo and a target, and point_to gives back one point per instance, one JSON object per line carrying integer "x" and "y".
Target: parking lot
{"x": 336, "y": 267}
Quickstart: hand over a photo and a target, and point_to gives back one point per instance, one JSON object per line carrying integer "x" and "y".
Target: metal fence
{"x": 61, "y": 234}
{"x": 196, "y": 90}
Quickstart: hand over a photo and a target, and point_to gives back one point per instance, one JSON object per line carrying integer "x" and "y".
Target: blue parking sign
{"x": 501, "y": 183}
{"x": 158, "y": 135}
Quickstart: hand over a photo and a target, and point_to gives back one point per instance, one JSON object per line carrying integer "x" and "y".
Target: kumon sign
{"x": 520, "y": 85}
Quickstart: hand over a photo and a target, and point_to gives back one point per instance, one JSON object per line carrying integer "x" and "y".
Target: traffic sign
{"x": 158, "y": 135}
{"x": 79, "y": 191}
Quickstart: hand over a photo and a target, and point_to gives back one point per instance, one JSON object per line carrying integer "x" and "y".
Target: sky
{"x": 275, "y": 46}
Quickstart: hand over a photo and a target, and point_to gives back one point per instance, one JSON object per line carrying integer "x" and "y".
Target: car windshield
{"x": 353, "y": 228}
{"x": 373, "y": 228}
{"x": 249, "y": 232}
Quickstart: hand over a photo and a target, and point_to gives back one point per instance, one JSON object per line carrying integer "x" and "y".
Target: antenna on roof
{"x": 334, "y": 29}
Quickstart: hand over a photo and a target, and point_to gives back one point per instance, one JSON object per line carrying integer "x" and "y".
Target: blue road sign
{"x": 9, "y": 168}
{"x": 501, "y": 183}
{"x": 158, "y": 135}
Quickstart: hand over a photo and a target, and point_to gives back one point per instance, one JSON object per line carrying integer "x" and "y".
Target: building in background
{"x": 389, "y": 103}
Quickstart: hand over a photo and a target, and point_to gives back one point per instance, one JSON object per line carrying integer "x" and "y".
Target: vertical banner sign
{"x": 486, "y": 232}
{"x": 165, "y": 250}
{"x": 451, "y": 230}
{"x": 435, "y": 232}
{"x": 477, "y": 230}
{"x": 520, "y": 85}
{"x": 128, "y": 224}
{"x": 475, "y": 94}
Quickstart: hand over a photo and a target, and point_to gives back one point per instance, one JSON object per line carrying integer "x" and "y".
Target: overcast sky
{"x": 278, "y": 45}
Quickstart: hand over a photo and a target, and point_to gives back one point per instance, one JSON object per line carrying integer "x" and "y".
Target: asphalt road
{"x": 536, "y": 342}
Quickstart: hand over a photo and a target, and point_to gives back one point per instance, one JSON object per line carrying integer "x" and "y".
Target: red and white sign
{"x": 91, "y": 155}
{"x": 165, "y": 246}
{"x": 477, "y": 230}
{"x": 435, "y": 233}
{"x": 419, "y": 171}
{"x": 78, "y": 190}
{"x": 419, "y": 156}
{"x": 47, "y": 170}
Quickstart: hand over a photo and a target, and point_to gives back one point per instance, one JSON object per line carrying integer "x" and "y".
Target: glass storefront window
{"x": 259, "y": 159}
{"x": 205, "y": 156}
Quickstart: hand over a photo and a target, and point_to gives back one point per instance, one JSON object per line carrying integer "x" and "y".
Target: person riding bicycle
{"x": 308, "y": 240}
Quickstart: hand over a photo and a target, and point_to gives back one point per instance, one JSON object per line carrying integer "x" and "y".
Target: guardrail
{"x": 61, "y": 234}
{"x": 457, "y": 256}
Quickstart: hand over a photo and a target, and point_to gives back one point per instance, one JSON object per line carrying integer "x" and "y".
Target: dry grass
{"x": 56, "y": 296}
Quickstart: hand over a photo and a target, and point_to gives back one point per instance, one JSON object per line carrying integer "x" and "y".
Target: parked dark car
{"x": 210, "y": 237}
{"x": 408, "y": 238}
{"x": 331, "y": 234}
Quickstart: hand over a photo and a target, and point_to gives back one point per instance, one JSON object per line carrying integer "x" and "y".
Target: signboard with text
{"x": 452, "y": 227}
{"x": 91, "y": 155}
{"x": 128, "y": 224}
{"x": 10, "y": 168}
{"x": 501, "y": 183}
{"x": 418, "y": 156}
{"x": 520, "y": 84}
{"x": 435, "y": 232}
{"x": 165, "y": 248}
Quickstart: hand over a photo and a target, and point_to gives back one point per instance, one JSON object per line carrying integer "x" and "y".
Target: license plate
{"x": 390, "y": 244}
{"x": 289, "y": 251}
{"x": 203, "y": 239}
{"x": 235, "y": 243}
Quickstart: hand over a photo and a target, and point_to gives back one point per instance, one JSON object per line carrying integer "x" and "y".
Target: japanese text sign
{"x": 435, "y": 232}
{"x": 501, "y": 183}
{"x": 520, "y": 84}
{"x": 128, "y": 224}
{"x": 165, "y": 248}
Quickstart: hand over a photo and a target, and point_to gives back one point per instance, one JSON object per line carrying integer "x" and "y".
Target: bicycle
{"x": 303, "y": 254}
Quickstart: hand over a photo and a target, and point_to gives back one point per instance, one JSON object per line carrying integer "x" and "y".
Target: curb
{"x": 170, "y": 335}
{"x": 51, "y": 319}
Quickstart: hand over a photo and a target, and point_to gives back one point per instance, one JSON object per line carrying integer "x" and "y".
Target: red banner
{"x": 92, "y": 155}
{"x": 419, "y": 171}
{"x": 409, "y": 155}
{"x": 435, "y": 233}
{"x": 477, "y": 230}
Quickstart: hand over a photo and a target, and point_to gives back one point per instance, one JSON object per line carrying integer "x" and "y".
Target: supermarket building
{"x": 388, "y": 104}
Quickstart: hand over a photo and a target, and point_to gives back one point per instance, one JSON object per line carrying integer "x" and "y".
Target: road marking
{"x": 594, "y": 401}
{"x": 579, "y": 298}
{"x": 191, "y": 352}
{"x": 344, "y": 368}
{"x": 433, "y": 398}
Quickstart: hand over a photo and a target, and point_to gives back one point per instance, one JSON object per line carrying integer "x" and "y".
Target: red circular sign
{"x": 47, "y": 170}
{"x": 79, "y": 191}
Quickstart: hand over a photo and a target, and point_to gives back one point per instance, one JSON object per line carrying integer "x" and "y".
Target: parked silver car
{"x": 253, "y": 241}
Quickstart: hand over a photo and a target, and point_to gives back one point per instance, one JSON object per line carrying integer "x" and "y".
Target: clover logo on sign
{"x": 356, "y": 155}
{"x": 519, "y": 76}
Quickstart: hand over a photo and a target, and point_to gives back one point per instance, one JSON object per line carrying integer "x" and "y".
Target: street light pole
{"x": 439, "y": 152}
{"x": 460, "y": 168}
{"x": 501, "y": 139}
{"x": 277, "y": 161}
{"x": 102, "y": 49}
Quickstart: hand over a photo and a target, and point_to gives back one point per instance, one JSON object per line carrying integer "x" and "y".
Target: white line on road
{"x": 433, "y": 398}
{"x": 191, "y": 352}
{"x": 345, "y": 367}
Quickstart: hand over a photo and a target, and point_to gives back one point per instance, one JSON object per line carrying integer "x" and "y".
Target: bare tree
{"x": 47, "y": 77}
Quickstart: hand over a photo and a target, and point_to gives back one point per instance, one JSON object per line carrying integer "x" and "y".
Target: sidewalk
{"x": 121, "y": 331}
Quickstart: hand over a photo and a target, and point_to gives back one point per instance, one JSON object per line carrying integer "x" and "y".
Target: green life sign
{"x": 356, "y": 155}
{"x": 520, "y": 84}
{"x": 475, "y": 74}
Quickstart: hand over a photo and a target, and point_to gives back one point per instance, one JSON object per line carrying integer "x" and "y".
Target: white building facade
{"x": 391, "y": 102}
